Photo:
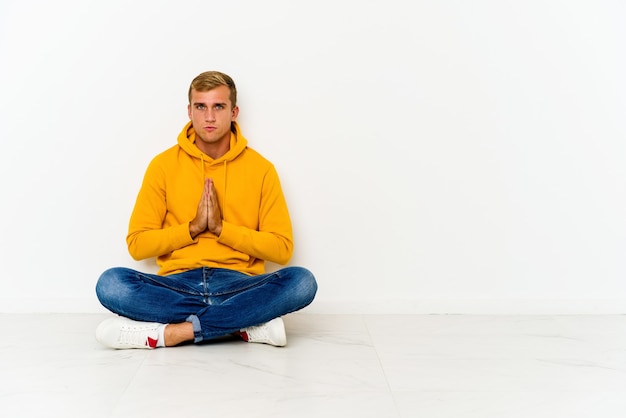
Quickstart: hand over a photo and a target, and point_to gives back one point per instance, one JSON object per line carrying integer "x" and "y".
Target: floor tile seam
{"x": 382, "y": 368}
{"x": 289, "y": 393}
{"x": 486, "y": 391}
{"x": 616, "y": 392}
{"x": 125, "y": 391}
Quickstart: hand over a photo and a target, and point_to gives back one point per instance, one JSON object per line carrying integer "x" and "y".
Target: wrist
{"x": 194, "y": 231}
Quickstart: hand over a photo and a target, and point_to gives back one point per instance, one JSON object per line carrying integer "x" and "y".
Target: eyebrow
{"x": 206, "y": 104}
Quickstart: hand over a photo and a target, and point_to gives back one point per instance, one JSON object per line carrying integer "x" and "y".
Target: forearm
{"x": 148, "y": 243}
{"x": 275, "y": 246}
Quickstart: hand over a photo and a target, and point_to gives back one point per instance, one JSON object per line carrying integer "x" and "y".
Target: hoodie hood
{"x": 187, "y": 141}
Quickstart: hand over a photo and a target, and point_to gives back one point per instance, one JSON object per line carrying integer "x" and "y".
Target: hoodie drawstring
{"x": 224, "y": 192}
{"x": 202, "y": 168}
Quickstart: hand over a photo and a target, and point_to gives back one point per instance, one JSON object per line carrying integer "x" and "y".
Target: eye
{"x": 219, "y": 106}
{"x": 200, "y": 107}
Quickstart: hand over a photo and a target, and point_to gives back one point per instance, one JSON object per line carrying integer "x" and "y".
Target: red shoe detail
{"x": 151, "y": 342}
{"x": 244, "y": 335}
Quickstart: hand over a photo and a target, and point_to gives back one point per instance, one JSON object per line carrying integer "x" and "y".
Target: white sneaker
{"x": 122, "y": 333}
{"x": 272, "y": 332}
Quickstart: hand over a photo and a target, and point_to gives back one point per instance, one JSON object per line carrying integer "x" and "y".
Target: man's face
{"x": 211, "y": 113}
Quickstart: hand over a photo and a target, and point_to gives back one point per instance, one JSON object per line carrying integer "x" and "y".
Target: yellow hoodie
{"x": 256, "y": 223}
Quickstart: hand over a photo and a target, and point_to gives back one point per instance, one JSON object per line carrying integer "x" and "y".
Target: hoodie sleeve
{"x": 274, "y": 240}
{"x": 146, "y": 236}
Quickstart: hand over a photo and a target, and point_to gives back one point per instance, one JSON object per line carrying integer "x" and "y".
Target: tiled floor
{"x": 334, "y": 366}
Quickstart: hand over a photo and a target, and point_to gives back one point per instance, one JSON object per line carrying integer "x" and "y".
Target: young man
{"x": 211, "y": 210}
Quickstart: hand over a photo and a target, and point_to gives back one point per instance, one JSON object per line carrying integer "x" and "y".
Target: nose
{"x": 209, "y": 115}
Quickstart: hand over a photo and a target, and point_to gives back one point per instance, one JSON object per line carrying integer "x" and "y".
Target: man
{"x": 212, "y": 211}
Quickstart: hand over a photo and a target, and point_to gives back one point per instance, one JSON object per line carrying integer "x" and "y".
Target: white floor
{"x": 334, "y": 366}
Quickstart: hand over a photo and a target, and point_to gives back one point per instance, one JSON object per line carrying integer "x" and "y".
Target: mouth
{"x": 210, "y": 128}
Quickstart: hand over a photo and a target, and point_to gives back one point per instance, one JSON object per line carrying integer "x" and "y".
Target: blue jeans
{"x": 216, "y": 301}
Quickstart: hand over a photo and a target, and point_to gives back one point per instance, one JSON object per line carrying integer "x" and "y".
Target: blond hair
{"x": 212, "y": 79}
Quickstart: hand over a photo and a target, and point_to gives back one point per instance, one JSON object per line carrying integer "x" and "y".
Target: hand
{"x": 199, "y": 224}
{"x": 214, "y": 219}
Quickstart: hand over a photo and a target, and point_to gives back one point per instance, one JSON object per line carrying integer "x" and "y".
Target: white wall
{"x": 438, "y": 156}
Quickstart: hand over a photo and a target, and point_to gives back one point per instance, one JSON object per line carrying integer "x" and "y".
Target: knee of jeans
{"x": 109, "y": 285}
{"x": 306, "y": 283}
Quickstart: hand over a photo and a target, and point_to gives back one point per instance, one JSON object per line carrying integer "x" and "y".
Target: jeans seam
{"x": 266, "y": 278}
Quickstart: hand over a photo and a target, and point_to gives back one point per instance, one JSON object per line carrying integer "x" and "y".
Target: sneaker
{"x": 272, "y": 333}
{"x": 121, "y": 333}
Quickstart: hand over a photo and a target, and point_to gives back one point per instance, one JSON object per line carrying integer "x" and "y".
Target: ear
{"x": 189, "y": 111}
{"x": 235, "y": 114}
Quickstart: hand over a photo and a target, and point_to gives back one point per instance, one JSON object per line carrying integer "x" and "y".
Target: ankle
{"x": 175, "y": 334}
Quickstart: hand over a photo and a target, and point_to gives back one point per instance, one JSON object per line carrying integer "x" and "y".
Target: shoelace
{"x": 134, "y": 336}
